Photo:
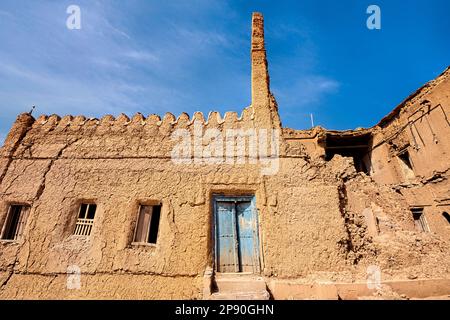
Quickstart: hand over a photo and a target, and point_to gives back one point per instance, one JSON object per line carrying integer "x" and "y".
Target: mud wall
{"x": 421, "y": 126}
{"x": 120, "y": 163}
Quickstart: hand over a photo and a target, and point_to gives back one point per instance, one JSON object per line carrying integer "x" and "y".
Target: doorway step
{"x": 239, "y": 286}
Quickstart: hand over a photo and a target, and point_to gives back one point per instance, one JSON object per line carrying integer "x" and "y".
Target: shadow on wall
{"x": 446, "y": 216}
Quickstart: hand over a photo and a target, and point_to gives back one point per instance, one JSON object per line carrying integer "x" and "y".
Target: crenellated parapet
{"x": 119, "y": 136}
{"x": 122, "y": 123}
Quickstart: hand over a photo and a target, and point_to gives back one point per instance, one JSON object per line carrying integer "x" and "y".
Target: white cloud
{"x": 177, "y": 57}
{"x": 6, "y": 14}
{"x": 307, "y": 91}
{"x": 144, "y": 56}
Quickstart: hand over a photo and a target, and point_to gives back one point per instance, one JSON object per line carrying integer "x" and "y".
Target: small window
{"x": 85, "y": 219}
{"x": 419, "y": 219}
{"x": 147, "y": 224}
{"x": 405, "y": 162}
{"x": 15, "y": 222}
{"x": 446, "y": 216}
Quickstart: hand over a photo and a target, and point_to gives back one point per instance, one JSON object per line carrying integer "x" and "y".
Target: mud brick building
{"x": 98, "y": 208}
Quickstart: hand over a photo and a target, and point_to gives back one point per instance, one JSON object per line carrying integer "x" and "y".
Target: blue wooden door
{"x": 237, "y": 248}
{"x": 227, "y": 260}
{"x": 246, "y": 236}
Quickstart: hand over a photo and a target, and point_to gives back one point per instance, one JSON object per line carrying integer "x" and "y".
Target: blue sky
{"x": 158, "y": 56}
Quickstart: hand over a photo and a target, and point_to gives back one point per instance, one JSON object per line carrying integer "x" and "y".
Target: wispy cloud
{"x": 307, "y": 91}
{"x": 145, "y": 57}
{"x": 102, "y": 68}
{"x": 155, "y": 56}
{"x": 303, "y": 97}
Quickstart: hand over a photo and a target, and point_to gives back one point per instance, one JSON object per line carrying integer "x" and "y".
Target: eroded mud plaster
{"x": 322, "y": 218}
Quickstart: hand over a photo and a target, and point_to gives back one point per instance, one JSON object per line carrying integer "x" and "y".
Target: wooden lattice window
{"x": 147, "y": 224}
{"x": 85, "y": 219}
{"x": 15, "y": 222}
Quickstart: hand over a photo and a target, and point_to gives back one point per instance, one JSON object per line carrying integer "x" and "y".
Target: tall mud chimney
{"x": 263, "y": 103}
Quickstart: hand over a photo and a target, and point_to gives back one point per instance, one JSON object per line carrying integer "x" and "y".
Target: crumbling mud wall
{"x": 421, "y": 125}
{"x": 120, "y": 163}
{"x": 375, "y": 206}
{"x": 383, "y": 234}
{"x": 419, "y": 129}
{"x": 321, "y": 217}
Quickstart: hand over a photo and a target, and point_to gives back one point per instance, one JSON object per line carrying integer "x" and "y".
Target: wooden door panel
{"x": 227, "y": 258}
{"x": 246, "y": 227}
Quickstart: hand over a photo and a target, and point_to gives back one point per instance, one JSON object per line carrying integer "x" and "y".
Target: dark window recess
{"x": 85, "y": 219}
{"x": 404, "y": 156}
{"x": 15, "y": 221}
{"x": 406, "y": 165}
{"x": 419, "y": 219}
{"x": 91, "y": 211}
{"x": 356, "y": 147}
{"x": 83, "y": 210}
{"x": 148, "y": 224}
{"x": 446, "y": 216}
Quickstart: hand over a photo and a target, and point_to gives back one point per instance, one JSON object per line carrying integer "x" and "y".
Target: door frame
{"x": 257, "y": 242}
